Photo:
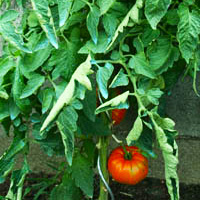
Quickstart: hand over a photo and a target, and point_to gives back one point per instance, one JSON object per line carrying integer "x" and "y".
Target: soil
{"x": 148, "y": 189}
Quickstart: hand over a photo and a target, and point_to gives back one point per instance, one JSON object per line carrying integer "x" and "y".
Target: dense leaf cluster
{"x": 51, "y": 48}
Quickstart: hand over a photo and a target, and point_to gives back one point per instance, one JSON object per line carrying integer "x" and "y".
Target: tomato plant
{"x": 127, "y": 167}
{"x": 54, "y": 54}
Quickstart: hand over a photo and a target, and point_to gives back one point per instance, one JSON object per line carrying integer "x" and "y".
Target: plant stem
{"x": 103, "y": 151}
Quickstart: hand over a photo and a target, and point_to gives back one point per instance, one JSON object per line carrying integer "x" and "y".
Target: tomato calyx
{"x": 127, "y": 154}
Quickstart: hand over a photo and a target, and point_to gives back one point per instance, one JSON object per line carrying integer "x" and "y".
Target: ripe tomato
{"x": 127, "y": 171}
{"x": 118, "y": 115}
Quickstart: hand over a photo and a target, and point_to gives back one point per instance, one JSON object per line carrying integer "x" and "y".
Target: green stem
{"x": 103, "y": 152}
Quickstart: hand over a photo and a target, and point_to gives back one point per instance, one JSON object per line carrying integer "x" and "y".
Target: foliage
{"x": 55, "y": 52}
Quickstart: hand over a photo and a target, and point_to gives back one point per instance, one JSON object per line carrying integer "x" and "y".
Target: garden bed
{"x": 148, "y": 189}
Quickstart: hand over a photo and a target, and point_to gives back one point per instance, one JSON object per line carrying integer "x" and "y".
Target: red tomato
{"x": 118, "y": 115}
{"x": 127, "y": 171}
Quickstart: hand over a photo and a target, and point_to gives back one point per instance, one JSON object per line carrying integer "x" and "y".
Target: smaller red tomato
{"x": 118, "y": 115}
{"x": 127, "y": 171}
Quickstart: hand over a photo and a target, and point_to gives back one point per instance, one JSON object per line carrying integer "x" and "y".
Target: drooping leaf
{"x": 9, "y": 15}
{"x": 45, "y": 18}
{"x": 64, "y": 10}
{"x": 81, "y": 76}
{"x": 103, "y": 75}
{"x": 155, "y": 10}
{"x": 92, "y": 23}
{"x": 120, "y": 79}
{"x": 188, "y": 30}
{"x": 9, "y": 33}
{"x": 117, "y": 102}
{"x": 136, "y": 131}
{"x": 133, "y": 13}
{"x": 83, "y": 174}
{"x": 140, "y": 64}
{"x": 105, "y": 5}
{"x": 35, "y": 81}
{"x": 67, "y": 126}
{"x": 170, "y": 155}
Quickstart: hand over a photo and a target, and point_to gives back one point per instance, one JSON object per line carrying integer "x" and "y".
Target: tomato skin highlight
{"x": 127, "y": 171}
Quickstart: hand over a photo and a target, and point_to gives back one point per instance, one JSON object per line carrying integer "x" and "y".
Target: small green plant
{"x": 56, "y": 53}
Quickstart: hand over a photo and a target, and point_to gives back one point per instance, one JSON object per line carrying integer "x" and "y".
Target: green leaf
{"x": 47, "y": 98}
{"x": 153, "y": 95}
{"x": 6, "y": 65}
{"x": 4, "y": 109}
{"x": 120, "y": 79}
{"x": 64, "y": 8}
{"x": 136, "y": 131}
{"x": 138, "y": 44}
{"x": 75, "y": 18}
{"x": 67, "y": 190}
{"x": 141, "y": 66}
{"x": 100, "y": 47}
{"x": 17, "y": 181}
{"x": 90, "y": 128}
{"x": 77, "y": 5}
{"x": 7, "y": 159}
{"x": 17, "y": 88}
{"x": 32, "y": 20}
{"x": 83, "y": 174}
{"x": 155, "y": 10}
{"x": 188, "y": 30}
{"x": 13, "y": 109}
{"x": 9, "y": 33}
{"x": 149, "y": 35}
{"x": 67, "y": 126}
{"x": 65, "y": 98}
{"x": 65, "y": 60}
{"x": 117, "y": 102}
{"x": 167, "y": 54}
{"x": 110, "y": 24}
{"x": 105, "y": 5}
{"x": 9, "y": 15}
{"x": 172, "y": 17}
{"x": 133, "y": 14}
{"x": 103, "y": 75}
{"x": 31, "y": 62}
{"x": 35, "y": 81}
{"x": 92, "y": 22}
{"x": 170, "y": 154}
{"x": 89, "y": 104}
{"x": 43, "y": 13}
{"x": 3, "y": 93}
